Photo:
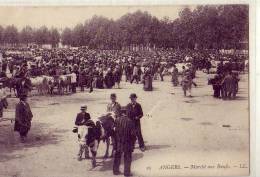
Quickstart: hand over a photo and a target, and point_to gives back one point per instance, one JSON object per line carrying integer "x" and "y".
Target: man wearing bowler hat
{"x": 135, "y": 113}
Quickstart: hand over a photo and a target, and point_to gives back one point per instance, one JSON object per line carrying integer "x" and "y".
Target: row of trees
{"x": 205, "y": 27}
{"x": 210, "y": 27}
{"x": 11, "y": 36}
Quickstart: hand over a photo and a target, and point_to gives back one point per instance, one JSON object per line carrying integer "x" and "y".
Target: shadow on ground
{"x": 107, "y": 165}
{"x": 240, "y": 98}
{"x": 156, "y": 147}
{"x": 40, "y": 135}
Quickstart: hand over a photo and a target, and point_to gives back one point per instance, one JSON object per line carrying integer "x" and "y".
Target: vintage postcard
{"x": 125, "y": 90}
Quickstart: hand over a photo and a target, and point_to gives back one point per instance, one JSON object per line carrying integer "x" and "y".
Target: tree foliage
{"x": 66, "y": 36}
{"x": 204, "y": 27}
{"x": 1, "y": 35}
{"x": 11, "y": 35}
{"x": 54, "y": 37}
{"x": 26, "y": 36}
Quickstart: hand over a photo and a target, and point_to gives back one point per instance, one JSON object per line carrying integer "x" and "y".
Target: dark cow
{"x": 105, "y": 132}
{"x": 17, "y": 85}
{"x": 23, "y": 86}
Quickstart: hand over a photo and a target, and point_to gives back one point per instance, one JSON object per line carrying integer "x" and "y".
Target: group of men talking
{"x": 127, "y": 128}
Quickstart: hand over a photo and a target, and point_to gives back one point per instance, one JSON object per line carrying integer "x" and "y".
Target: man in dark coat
{"x": 208, "y": 66}
{"x": 228, "y": 86}
{"x": 109, "y": 80}
{"x": 23, "y": 86}
{"x": 135, "y": 113}
{"x": 125, "y": 139}
{"x": 128, "y": 72}
{"x": 216, "y": 84}
{"x": 100, "y": 80}
{"x": 117, "y": 76}
{"x": 148, "y": 81}
{"x": 175, "y": 74}
{"x": 23, "y": 117}
{"x": 82, "y": 117}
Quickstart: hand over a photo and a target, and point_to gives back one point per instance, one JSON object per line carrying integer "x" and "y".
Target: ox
{"x": 42, "y": 84}
{"x": 103, "y": 130}
{"x": 62, "y": 83}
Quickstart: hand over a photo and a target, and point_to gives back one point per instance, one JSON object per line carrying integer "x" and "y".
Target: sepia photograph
{"x": 127, "y": 90}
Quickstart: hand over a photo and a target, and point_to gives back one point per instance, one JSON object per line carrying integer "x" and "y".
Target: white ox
{"x": 42, "y": 84}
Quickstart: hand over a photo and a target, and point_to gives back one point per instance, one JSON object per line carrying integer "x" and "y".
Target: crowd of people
{"x": 85, "y": 68}
{"x": 104, "y": 69}
{"x": 80, "y": 68}
{"x": 225, "y": 83}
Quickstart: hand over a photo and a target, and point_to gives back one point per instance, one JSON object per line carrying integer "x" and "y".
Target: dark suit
{"x": 228, "y": 87}
{"x": 135, "y": 113}
{"x": 125, "y": 139}
{"x": 81, "y": 118}
{"x": 23, "y": 117}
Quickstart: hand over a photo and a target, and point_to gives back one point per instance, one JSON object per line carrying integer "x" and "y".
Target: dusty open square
{"x": 179, "y": 132}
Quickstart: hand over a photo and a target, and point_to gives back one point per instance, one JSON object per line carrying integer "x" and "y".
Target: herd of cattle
{"x": 234, "y": 66}
{"x": 43, "y": 84}
{"x": 62, "y": 84}
{"x": 49, "y": 85}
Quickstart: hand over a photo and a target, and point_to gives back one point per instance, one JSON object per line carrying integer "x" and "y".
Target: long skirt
{"x": 148, "y": 85}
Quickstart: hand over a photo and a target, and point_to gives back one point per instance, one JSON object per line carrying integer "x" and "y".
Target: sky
{"x": 68, "y": 16}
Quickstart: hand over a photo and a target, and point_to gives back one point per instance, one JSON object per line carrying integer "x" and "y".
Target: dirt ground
{"x": 208, "y": 134}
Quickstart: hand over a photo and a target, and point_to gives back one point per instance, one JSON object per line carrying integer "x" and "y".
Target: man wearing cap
{"x": 83, "y": 116}
{"x": 83, "y": 119}
{"x": 135, "y": 113}
{"x": 114, "y": 107}
{"x": 23, "y": 117}
{"x": 125, "y": 140}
